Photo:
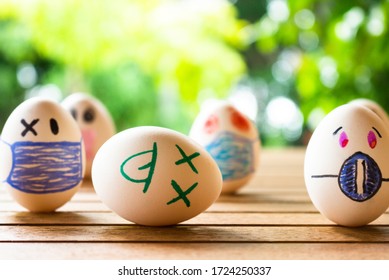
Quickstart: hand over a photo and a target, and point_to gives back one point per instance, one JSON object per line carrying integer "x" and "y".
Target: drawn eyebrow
{"x": 337, "y": 130}
{"x": 379, "y": 134}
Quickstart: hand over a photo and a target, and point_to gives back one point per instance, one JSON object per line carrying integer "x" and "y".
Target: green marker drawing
{"x": 187, "y": 159}
{"x": 182, "y": 194}
{"x": 150, "y": 165}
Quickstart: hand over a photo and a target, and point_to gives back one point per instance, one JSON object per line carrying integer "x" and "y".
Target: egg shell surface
{"x": 346, "y": 166}
{"x": 41, "y": 155}
{"x": 94, "y": 120}
{"x": 155, "y": 176}
{"x": 232, "y": 139}
{"x": 374, "y": 106}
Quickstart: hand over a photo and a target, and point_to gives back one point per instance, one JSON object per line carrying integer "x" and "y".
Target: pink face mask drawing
{"x": 94, "y": 120}
{"x": 231, "y": 139}
{"x": 346, "y": 170}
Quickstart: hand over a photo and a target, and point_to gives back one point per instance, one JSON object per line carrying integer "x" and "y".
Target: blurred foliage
{"x": 148, "y": 61}
{"x": 320, "y": 54}
{"x": 153, "y": 62}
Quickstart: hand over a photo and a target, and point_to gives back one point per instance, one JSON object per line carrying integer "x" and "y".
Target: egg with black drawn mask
{"x": 94, "y": 120}
{"x": 346, "y": 168}
{"x": 231, "y": 138}
{"x": 41, "y": 155}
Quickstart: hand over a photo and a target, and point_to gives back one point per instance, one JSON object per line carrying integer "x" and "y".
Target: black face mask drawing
{"x": 360, "y": 177}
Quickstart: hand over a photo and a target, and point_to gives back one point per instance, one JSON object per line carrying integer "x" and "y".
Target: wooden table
{"x": 270, "y": 218}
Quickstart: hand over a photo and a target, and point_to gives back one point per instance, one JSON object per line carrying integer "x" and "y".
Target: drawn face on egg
{"x": 94, "y": 121}
{"x": 231, "y": 139}
{"x": 346, "y": 167}
{"x": 42, "y": 151}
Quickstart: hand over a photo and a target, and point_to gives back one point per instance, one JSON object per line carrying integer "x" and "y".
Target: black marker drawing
{"x": 29, "y": 127}
{"x": 359, "y": 177}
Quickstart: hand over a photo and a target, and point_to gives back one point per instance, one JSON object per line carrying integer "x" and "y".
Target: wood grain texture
{"x": 272, "y": 217}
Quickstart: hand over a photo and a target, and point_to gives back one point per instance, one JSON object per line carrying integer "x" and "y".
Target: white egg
{"x": 155, "y": 176}
{"x": 374, "y": 106}
{"x": 346, "y": 168}
{"x": 41, "y": 155}
{"x": 232, "y": 140}
{"x": 94, "y": 120}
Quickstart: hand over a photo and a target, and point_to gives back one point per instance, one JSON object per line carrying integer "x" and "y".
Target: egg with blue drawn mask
{"x": 232, "y": 139}
{"x": 41, "y": 155}
{"x": 94, "y": 120}
{"x": 346, "y": 168}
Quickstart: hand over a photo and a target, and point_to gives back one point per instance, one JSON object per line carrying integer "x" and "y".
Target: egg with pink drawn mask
{"x": 94, "y": 120}
{"x": 346, "y": 168}
{"x": 232, "y": 139}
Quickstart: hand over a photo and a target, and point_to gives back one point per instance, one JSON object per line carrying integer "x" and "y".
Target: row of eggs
{"x": 156, "y": 176}
{"x": 148, "y": 175}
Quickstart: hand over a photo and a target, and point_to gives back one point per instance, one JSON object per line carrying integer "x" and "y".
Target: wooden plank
{"x": 193, "y": 251}
{"x": 230, "y": 206}
{"x": 110, "y": 218}
{"x": 184, "y": 234}
{"x": 272, "y": 217}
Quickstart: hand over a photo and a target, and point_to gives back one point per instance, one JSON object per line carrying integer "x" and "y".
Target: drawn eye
{"x": 343, "y": 139}
{"x": 74, "y": 113}
{"x": 89, "y": 115}
{"x": 372, "y": 139}
{"x": 54, "y": 126}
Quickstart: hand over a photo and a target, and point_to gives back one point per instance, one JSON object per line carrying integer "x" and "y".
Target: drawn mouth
{"x": 359, "y": 177}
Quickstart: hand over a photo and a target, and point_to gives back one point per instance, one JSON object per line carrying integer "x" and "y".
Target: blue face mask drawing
{"x": 233, "y": 154}
{"x": 45, "y": 167}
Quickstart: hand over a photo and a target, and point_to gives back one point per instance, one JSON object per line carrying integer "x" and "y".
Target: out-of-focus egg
{"x": 346, "y": 168}
{"x": 232, "y": 140}
{"x": 374, "y": 106}
{"x": 155, "y": 176}
{"x": 94, "y": 120}
{"x": 41, "y": 155}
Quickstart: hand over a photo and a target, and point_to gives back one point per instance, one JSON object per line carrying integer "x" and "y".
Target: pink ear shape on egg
{"x": 239, "y": 121}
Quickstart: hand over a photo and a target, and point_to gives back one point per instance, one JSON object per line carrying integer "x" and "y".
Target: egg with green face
{"x": 155, "y": 176}
{"x": 94, "y": 120}
{"x": 42, "y": 155}
{"x": 346, "y": 169}
{"x": 232, "y": 139}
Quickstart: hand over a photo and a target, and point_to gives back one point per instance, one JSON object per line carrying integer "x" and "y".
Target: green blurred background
{"x": 285, "y": 62}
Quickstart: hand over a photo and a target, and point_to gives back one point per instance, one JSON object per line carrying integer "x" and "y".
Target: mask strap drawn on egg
{"x": 5, "y": 142}
{"x": 325, "y": 176}
{"x": 9, "y": 145}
